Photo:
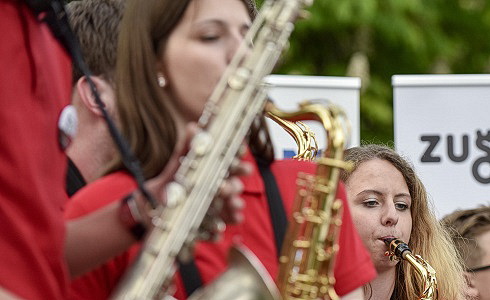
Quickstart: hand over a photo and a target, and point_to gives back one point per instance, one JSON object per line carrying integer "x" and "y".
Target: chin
{"x": 385, "y": 265}
{"x": 382, "y": 262}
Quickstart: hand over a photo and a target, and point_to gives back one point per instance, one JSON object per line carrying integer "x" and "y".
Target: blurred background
{"x": 375, "y": 39}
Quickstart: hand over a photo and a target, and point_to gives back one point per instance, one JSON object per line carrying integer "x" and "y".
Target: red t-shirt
{"x": 35, "y": 84}
{"x": 99, "y": 283}
{"x": 353, "y": 264}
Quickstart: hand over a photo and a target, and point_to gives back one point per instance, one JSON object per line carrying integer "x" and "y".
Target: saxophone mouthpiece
{"x": 396, "y": 247}
{"x": 388, "y": 241}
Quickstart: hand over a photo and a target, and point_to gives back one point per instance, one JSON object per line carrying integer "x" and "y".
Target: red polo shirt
{"x": 35, "y": 84}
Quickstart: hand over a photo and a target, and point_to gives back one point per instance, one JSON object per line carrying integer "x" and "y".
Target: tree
{"x": 377, "y": 39}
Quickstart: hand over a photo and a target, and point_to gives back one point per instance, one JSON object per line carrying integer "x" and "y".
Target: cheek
{"x": 407, "y": 227}
{"x": 481, "y": 284}
{"x": 363, "y": 224}
{"x": 193, "y": 77}
{"x": 182, "y": 70}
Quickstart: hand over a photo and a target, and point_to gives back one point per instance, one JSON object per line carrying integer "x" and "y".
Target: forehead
{"x": 483, "y": 241}
{"x": 376, "y": 172}
{"x": 202, "y": 9}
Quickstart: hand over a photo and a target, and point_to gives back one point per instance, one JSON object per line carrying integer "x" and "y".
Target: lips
{"x": 385, "y": 238}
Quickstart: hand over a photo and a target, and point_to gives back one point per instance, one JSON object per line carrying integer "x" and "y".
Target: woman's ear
{"x": 105, "y": 90}
{"x": 161, "y": 74}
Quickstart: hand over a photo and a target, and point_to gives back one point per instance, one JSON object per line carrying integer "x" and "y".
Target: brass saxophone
{"x": 302, "y": 134}
{"x": 238, "y": 97}
{"x": 311, "y": 241}
{"x": 397, "y": 249}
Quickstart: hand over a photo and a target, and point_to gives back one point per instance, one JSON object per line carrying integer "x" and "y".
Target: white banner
{"x": 442, "y": 124}
{"x": 286, "y": 91}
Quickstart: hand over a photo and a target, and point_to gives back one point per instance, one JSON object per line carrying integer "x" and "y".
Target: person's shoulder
{"x": 112, "y": 182}
{"x": 293, "y": 166}
{"x": 99, "y": 193}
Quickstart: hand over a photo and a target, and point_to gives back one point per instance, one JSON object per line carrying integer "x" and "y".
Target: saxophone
{"x": 236, "y": 100}
{"x": 309, "y": 248}
{"x": 302, "y": 134}
{"x": 397, "y": 249}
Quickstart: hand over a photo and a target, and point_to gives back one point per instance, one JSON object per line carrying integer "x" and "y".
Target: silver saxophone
{"x": 236, "y": 100}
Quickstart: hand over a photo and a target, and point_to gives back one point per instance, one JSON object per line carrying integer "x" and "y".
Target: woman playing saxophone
{"x": 171, "y": 55}
{"x": 390, "y": 207}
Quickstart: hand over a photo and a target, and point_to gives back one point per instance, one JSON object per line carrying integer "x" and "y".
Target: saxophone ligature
{"x": 228, "y": 114}
{"x": 399, "y": 250}
{"x": 311, "y": 241}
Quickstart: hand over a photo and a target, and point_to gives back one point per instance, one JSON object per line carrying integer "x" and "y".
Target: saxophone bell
{"x": 245, "y": 278}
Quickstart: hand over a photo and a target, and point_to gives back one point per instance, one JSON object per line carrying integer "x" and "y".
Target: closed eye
{"x": 209, "y": 38}
{"x": 371, "y": 203}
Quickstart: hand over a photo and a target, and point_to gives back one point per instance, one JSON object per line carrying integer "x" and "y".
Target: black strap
{"x": 191, "y": 277}
{"x": 276, "y": 206}
{"x": 190, "y": 273}
{"x": 74, "y": 179}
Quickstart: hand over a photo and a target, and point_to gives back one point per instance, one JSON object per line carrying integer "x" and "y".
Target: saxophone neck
{"x": 334, "y": 122}
{"x": 303, "y": 136}
{"x": 397, "y": 249}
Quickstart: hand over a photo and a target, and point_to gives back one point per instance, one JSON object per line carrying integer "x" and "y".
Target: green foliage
{"x": 396, "y": 37}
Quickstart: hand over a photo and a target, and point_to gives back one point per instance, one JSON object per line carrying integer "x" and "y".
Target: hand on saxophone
{"x": 227, "y": 206}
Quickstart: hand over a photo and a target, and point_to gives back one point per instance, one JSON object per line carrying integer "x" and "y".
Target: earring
{"x": 161, "y": 80}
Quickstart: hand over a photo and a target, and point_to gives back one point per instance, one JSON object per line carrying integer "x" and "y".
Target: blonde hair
{"x": 428, "y": 238}
{"x": 465, "y": 226}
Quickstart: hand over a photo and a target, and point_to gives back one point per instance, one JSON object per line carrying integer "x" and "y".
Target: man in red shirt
{"x": 34, "y": 87}
{"x": 35, "y": 253}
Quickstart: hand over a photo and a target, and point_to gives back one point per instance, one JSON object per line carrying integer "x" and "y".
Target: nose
{"x": 390, "y": 215}
{"x": 233, "y": 45}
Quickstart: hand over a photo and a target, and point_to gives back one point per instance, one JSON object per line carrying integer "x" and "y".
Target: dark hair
{"x": 145, "y": 116}
{"x": 96, "y": 25}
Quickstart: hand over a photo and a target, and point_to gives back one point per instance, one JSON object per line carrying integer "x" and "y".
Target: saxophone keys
{"x": 175, "y": 195}
{"x": 301, "y": 244}
{"x": 212, "y": 230}
{"x": 337, "y": 205}
{"x": 238, "y": 80}
{"x": 201, "y": 143}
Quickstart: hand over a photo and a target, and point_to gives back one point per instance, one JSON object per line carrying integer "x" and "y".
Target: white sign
{"x": 286, "y": 91}
{"x": 442, "y": 123}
